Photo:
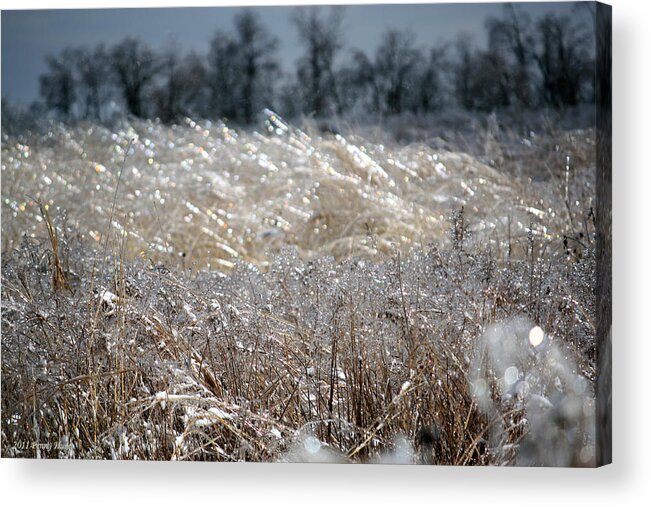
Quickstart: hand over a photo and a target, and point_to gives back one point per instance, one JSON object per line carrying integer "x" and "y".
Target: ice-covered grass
{"x": 203, "y": 195}
{"x": 286, "y": 295}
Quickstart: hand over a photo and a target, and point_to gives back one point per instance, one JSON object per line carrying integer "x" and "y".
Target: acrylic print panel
{"x": 359, "y": 234}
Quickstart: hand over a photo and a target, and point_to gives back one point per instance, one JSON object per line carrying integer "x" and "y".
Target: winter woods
{"x": 523, "y": 63}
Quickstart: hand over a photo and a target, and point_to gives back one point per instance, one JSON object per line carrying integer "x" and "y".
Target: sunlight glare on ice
{"x": 536, "y": 336}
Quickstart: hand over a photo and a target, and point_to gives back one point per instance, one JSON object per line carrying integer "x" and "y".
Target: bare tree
{"x": 395, "y": 61}
{"x": 399, "y": 78}
{"x": 256, "y": 48}
{"x": 563, "y": 58}
{"x": 135, "y": 67}
{"x": 511, "y": 39}
{"x": 241, "y": 69}
{"x": 361, "y": 79}
{"x": 354, "y": 79}
{"x": 491, "y": 85}
{"x": 92, "y": 71}
{"x": 323, "y": 40}
{"x": 181, "y": 91}
{"x": 57, "y": 85}
{"x": 223, "y": 75}
{"x": 167, "y": 97}
{"x": 194, "y": 92}
{"x": 464, "y": 71}
{"x": 428, "y": 92}
{"x": 482, "y": 78}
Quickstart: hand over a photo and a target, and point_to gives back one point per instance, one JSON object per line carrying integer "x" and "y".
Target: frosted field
{"x": 288, "y": 294}
{"x": 214, "y": 196}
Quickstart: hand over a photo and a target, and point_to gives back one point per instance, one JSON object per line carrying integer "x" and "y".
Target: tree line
{"x": 526, "y": 63}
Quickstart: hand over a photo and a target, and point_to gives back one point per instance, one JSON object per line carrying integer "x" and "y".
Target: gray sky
{"x": 28, "y": 36}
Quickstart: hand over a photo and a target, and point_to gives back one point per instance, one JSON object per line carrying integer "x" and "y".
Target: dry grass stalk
{"x": 59, "y": 281}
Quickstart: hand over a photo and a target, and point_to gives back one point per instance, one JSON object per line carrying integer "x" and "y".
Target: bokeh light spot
{"x": 536, "y": 336}
{"x": 511, "y": 375}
